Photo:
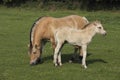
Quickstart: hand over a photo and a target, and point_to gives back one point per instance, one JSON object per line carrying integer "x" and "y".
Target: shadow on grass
{"x": 67, "y": 57}
{"x": 95, "y": 60}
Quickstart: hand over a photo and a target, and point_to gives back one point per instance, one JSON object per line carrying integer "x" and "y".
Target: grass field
{"x": 104, "y": 52}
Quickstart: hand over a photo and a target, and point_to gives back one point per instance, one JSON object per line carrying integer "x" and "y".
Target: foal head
{"x": 34, "y": 53}
{"x": 99, "y": 28}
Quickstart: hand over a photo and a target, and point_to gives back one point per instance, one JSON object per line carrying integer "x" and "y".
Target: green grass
{"x": 104, "y": 53}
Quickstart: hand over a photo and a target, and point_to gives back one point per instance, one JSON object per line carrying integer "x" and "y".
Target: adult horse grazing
{"x": 45, "y": 27}
{"x": 76, "y": 37}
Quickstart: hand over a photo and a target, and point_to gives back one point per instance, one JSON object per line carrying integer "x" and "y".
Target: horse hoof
{"x": 80, "y": 57}
{"x": 83, "y": 66}
{"x": 60, "y": 64}
{"x": 55, "y": 65}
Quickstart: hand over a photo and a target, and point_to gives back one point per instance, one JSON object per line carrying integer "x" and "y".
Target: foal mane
{"x": 94, "y": 22}
{"x": 86, "y": 25}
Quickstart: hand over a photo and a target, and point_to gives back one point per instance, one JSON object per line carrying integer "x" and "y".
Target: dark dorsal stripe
{"x": 32, "y": 29}
{"x": 90, "y": 24}
{"x": 86, "y": 25}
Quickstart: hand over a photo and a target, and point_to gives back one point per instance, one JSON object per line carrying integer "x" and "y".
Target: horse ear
{"x": 34, "y": 49}
{"x": 97, "y": 21}
{"x": 37, "y": 47}
{"x": 29, "y": 46}
{"x": 95, "y": 24}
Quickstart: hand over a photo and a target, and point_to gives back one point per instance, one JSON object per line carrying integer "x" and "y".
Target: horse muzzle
{"x": 35, "y": 62}
{"x": 105, "y": 34}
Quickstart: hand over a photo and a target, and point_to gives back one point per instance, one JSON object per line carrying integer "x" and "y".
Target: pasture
{"x": 103, "y": 58}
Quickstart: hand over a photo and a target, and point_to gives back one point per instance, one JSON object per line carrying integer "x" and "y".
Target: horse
{"x": 76, "y": 37}
{"x": 43, "y": 30}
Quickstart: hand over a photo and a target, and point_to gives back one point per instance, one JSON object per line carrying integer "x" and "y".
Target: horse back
{"x": 46, "y": 26}
{"x": 71, "y": 21}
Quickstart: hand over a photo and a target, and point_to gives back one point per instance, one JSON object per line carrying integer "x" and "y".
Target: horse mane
{"x": 32, "y": 29}
{"x": 86, "y": 25}
{"x": 94, "y": 22}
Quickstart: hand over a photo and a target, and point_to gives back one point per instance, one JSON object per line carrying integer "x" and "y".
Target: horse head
{"x": 99, "y": 28}
{"x": 34, "y": 53}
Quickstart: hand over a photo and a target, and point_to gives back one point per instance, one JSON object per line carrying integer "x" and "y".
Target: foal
{"x": 76, "y": 37}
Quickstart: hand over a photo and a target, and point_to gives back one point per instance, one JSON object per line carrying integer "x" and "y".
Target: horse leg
{"x": 59, "y": 59}
{"x": 53, "y": 43}
{"x": 40, "y": 51}
{"x": 57, "y": 49}
{"x": 43, "y": 44}
{"x": 81, "y": 53}
{"x": 74, "y": 54}
{"x": 84, "y": 48}
{"x": 41, "y": 48}
{"x": 59, "y": 54}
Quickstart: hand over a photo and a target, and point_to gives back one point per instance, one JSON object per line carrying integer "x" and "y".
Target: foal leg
{"x": 59, "y": 59}
{"x": 57, "y": 49}
{"x": 59, "y": 54}
{"x": 84, "y": 48}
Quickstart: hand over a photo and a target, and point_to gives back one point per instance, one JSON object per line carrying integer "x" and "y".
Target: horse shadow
{"x": 66, "y": 58}
{"x": 91, "y": 61}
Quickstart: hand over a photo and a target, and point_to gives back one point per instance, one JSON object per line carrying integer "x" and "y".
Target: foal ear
{"x": 97, "y": 21}
{"x": 95, "y": 24}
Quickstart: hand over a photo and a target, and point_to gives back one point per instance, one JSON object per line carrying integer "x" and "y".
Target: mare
{"x": 43, "y": 30}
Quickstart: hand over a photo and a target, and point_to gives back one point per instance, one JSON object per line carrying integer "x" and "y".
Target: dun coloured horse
{"x": 76, "y": 37}
{"x": 44, "y": 28}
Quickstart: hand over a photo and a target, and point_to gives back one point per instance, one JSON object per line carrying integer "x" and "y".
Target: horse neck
{"x": 35, "y": 39}
{"x": 90, "y": 31}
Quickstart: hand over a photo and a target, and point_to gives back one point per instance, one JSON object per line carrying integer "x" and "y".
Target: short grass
{"x": 104, "y": 52}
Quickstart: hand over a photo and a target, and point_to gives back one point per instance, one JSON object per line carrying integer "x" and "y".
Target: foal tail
{"x": 32, "y": 31}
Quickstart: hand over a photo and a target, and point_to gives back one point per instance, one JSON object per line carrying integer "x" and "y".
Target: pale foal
{"x": 76, "y": 37}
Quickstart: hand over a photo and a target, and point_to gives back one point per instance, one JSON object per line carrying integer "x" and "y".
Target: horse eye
{"x": 34, "y": 52}
{"x": 99, "y": 27}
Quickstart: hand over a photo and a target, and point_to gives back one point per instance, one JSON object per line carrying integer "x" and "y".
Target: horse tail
{"x": 31, "y": 30}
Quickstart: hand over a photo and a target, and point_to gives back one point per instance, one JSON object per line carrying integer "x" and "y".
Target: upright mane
{"x": 94, "y": 22}
{"x": 86, "y": 25}
{"x": 31, "y": 30}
